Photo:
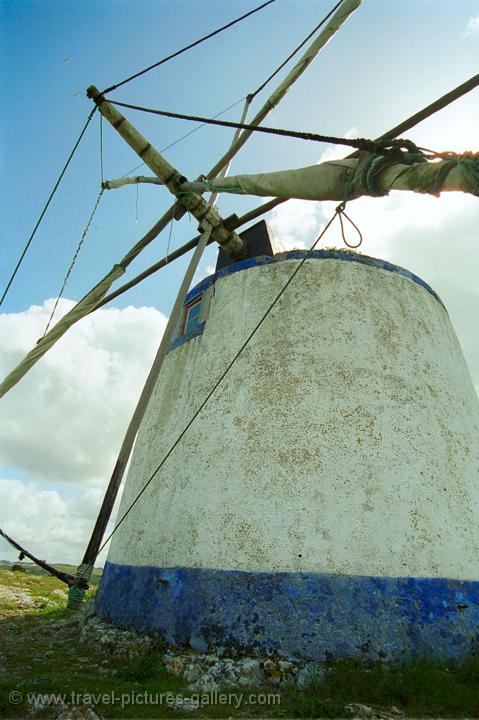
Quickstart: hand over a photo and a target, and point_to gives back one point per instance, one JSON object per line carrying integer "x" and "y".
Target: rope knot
{"x": 340, "y": 211}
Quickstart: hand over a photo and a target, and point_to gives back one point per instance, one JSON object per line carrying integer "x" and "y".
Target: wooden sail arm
{"x": 63, "y": 576}
{"x": 135, "y": 180}
{"x": 172, "y": 178}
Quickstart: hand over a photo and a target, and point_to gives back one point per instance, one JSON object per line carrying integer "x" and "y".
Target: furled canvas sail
{"x": 352, "y": 178}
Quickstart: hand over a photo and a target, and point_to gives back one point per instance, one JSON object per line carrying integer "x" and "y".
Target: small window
{"x": 192, "y": 316}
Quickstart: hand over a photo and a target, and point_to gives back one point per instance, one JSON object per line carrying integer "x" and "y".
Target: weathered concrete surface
{"x": 343, "y": 441}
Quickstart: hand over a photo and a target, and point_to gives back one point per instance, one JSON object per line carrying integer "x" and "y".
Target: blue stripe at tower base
{"x": 306, "y": 615}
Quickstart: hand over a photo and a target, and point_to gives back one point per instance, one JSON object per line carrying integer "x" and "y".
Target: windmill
{"x": 289, "y": 548}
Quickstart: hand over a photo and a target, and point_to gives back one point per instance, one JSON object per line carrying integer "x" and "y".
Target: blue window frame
{"x": 192, "y": 316}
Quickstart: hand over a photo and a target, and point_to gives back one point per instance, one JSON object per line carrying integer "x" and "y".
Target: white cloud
{"x": 51, "y": 524}
{"x": 295, "y": 223}
{"x": 472, "y": 28}
{"x": 65, "y": 420}
{"x": 41, "y": 521}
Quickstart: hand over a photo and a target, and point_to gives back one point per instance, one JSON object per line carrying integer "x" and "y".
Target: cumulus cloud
{"x": 65, "y": 420}
{"x": 472, "y": 27}
{"x": 64, "y": 423}
{"x": 52, "y": 524}
{"x": 295, "y": 223}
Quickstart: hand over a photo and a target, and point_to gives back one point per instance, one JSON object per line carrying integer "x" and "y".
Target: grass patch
{"x": 32, "y": 569}
{"x": 41, "y": 653}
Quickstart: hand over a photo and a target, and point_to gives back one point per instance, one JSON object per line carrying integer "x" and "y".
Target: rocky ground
{"x": 64, "y": 665}
{"x": 205, "y": 672}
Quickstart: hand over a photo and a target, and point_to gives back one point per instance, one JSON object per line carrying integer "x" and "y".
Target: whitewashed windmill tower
{"x": 310, "y": 448}
{"x": 324, "y": 503}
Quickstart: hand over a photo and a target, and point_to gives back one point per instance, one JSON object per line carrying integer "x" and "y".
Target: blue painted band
{"x": 302, "y": 614}
{"x": 315, "y": 255}
{"x": 197, "y": 330}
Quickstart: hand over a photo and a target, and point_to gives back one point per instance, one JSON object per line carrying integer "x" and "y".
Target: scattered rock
{"x": 250, "y": 672}
{"x": 209, "y": 672}
{"x": 287, "y": 667}
{"x": 359, "y": 710}
{"x": 175, "y": 666}
{"x": 78, "y": 713}
{"x": 211, "y": 659}
{"x": 206, "y": 672}
{"x": 182, "y": 703}
{"x": 206, "y": 684}
{"x": 309, "y": 676}
{"x": 108, "y": 638}
{"x": 192, "y": 673}
{"x": 21, "y": 598}
{"x": 269, "y": 666}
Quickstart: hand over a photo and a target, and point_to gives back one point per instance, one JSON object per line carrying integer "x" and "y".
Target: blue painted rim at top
{"x": 315, "y": 255}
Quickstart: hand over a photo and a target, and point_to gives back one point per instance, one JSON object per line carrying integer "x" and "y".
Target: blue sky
{"x": 389, "y": 60}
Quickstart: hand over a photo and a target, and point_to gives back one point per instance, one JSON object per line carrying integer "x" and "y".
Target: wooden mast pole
{"x": 75, "y": 595}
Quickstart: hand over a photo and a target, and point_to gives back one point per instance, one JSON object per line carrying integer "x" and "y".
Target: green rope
{"x": 365, "y": 178}
{"x": 370, "y": 175}
{"x": 433, "y": 181}
{"x": 75, "y": 597}
{"x": 470, "y": 166}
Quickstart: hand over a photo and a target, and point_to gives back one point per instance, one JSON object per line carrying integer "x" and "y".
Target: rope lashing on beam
{"x": 468, "y": 163}
{"x": 365, "y": 180}
{"x": 423, "y": 176}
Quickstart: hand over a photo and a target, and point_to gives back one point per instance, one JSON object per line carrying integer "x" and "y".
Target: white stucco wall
{"x": 344, "y": 439}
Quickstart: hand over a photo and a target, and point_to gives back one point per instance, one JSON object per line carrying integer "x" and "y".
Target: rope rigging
{"x": 74, "y": 258}
{"x": 189, "y": 47}
{"x": 390, "y": 148}
{"x": 250, "y": 97}
{"x": 183, "y": 137}
{"x": 45, "y": 208}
